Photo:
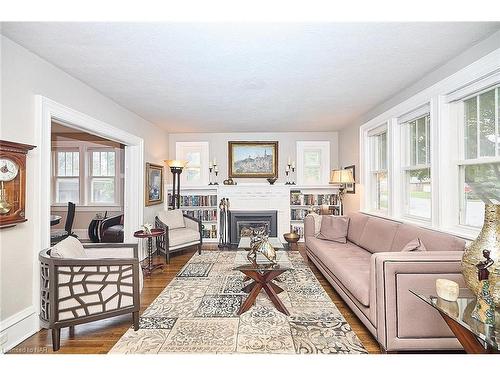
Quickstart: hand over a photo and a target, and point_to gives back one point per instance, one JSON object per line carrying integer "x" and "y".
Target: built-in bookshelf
{"x": 293, "y": 203}
{"x": 306, "y": 200}
{"x": 201, "y": 204}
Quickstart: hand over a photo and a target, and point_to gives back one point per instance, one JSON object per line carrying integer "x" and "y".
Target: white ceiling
{"x": 248, "y": 77}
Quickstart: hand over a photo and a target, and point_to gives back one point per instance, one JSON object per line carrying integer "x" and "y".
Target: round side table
{"x": 150, "y": 267}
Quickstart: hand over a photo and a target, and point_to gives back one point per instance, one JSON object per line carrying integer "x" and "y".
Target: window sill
{"x": 94, "y": 208}
{"x": 461, "y": 231}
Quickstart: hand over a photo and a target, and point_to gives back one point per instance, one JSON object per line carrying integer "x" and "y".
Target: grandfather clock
{"x": 12, "y": 183}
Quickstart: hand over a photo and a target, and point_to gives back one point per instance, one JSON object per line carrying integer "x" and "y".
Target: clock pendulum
{"x": 4, "y": 205}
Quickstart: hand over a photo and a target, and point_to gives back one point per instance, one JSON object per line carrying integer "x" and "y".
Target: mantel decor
{"x": 473, "y": 258}
{"x": 12, "y": 183}
{"x": 253, "y": 159}
{"x": 154, "y": 184}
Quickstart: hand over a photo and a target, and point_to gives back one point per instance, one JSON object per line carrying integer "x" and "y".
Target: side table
{"x": 150, "y": 267}
{"x": 475, "y": 336}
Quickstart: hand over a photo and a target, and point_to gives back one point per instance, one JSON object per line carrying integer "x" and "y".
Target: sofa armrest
{"x": 399, "y": 314}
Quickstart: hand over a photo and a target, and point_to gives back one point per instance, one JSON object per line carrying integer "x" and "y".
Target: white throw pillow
{"x": 68, "y": 248}
{"x": 173, "y": 218}
{"x": 317, "y": 222}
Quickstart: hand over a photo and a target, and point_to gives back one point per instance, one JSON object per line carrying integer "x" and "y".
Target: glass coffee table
{"x": 262, "y": 273}
{"x": 475, "y": 337}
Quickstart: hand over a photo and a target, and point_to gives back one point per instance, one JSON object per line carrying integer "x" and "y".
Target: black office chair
{"x": 57, "y": 235}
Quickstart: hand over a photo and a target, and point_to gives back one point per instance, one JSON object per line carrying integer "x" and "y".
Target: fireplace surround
{"x": 241, "y": 223}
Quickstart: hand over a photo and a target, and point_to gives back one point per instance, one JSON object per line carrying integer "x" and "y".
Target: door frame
{"x": 48, "y": 110}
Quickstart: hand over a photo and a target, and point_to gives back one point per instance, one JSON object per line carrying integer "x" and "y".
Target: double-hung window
{"x": 417, "y": 167}
{"x": 313, "y": 162}
{"x": 102, "y": 176}
{"x": 479, "y": 169}
{"x": 378, "y": 170}
{"x": 197, "y": 169}
{"x": 67, "y": 176}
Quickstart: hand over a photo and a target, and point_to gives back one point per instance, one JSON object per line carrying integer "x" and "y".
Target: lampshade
{"x": 176, "y": 163}
{"x": 341, "y": 176}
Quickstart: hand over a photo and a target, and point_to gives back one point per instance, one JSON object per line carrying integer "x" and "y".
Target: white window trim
{"x": 324, "y": 146}
{"x": 445, "y": 144}
{"x": 405, "y": 157}
{"x": 81, "y": 180}
{"x": 84, "y": 150}
{"x": 204, "y": 148}
{"x": 372, "y": 199}
{"x": 89, "y": 178}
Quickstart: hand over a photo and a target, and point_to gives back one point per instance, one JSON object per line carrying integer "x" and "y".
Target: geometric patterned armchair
{"x": 84, "y": 283}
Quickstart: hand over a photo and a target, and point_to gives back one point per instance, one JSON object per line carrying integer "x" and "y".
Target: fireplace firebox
{"x": 241, "y": 223}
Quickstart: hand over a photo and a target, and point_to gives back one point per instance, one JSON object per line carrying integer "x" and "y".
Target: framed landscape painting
{"x": 253, "y": 159}
{"x": 154, "y": 184}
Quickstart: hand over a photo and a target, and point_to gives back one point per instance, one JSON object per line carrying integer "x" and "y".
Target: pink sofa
{"x": 373, "y": 276}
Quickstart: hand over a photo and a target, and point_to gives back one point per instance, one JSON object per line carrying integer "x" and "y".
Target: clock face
{"x": 8, "y": 169}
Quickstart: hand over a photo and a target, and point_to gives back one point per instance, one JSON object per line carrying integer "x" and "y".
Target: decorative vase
{"x": 488, "y": 239}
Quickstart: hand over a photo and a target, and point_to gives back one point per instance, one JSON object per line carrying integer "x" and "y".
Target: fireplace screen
{"x": 242, "y": 223}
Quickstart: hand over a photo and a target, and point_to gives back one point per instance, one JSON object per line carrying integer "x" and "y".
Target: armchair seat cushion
{"x": 182, "y": 236}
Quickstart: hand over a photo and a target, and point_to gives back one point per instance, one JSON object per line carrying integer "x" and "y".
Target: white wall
{"x": 349, "y": 136}
{"x": 218, "y": 143}
{"x": 25, "y": 75}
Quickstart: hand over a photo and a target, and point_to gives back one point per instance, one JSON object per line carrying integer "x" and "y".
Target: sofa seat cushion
{"x": 349, "y": 263}
{"x": 182, "y": 236}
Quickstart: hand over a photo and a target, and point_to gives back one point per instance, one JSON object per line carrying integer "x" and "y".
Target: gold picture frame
{"x": 153, "y": 184}
{"x": 253, "y": 159}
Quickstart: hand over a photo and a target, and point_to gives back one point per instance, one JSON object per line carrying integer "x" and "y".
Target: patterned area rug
{"x": 197, "y": 312}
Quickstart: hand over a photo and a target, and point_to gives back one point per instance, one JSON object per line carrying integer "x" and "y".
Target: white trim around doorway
{"x": 48, "y": 110}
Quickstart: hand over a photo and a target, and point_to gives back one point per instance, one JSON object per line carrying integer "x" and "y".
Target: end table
{"x": 150, "y": 267}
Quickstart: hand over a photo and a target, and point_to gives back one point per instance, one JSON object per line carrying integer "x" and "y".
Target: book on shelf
{"x": 209, "y": 231}
{"x": 297, "y": 228}
{"x": 203, "y": 215}
{"x": 209, "y": 200}
{"x": 297, "y": 198}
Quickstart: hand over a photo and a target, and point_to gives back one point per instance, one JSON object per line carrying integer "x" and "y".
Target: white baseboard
{"x": 17, "y": 328}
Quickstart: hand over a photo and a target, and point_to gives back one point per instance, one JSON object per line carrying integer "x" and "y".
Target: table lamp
{"x": 341, "y": 177}
{"x": 176, "y": 167}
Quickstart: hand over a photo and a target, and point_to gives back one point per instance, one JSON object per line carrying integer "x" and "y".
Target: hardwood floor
{"x": 99, "y": 337}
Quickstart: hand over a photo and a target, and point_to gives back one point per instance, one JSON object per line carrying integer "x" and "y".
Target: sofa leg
{"x": 56, "y": 339}
{"x": 72, "y": 331}
{"x": 167, "y": 256}
{"x": 199, "y": 249}
{"x": 135, "y": 318}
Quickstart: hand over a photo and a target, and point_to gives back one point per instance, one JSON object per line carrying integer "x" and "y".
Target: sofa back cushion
{"x": 432, "y": 240}
{"x": 378, "y": 235}
{"x": 357, "y": 222}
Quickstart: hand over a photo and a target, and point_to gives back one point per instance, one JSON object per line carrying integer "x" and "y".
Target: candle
{"x": 289, "y": 161}
{"x": 293, "y": 164}
{"x": 287, "y": 169}
{"x": 216, "y": 169}
{"x": 215, "y": 162}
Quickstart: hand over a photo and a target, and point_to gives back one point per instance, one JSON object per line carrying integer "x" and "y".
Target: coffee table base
{"x": 263, "y": 280}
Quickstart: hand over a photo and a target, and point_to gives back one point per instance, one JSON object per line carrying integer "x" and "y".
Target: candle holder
{"x": 210, "y": 175}
{"x": 292, "y": 175}
{"x": 216, "y": 173}
{"x": 287, "y": 174}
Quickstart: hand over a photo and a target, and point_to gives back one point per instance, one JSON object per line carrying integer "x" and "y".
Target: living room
{"x": 250, "y": 188}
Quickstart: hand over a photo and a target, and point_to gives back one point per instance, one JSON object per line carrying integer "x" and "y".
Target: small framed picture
{"x": 351, "y": 188}
{"x": 154, "y": 184}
